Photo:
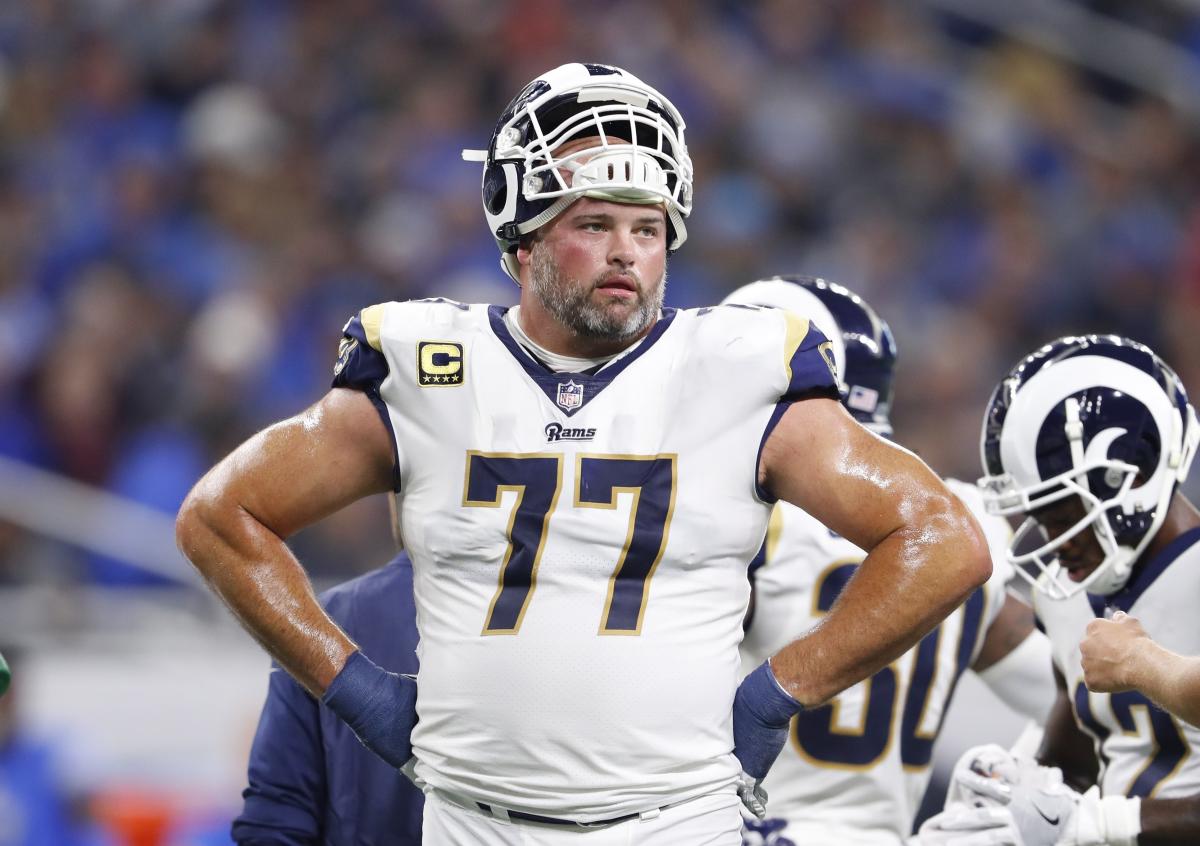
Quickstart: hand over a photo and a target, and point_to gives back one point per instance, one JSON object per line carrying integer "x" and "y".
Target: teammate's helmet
{"x": 1098, "y": 417}
{"x": 863, "y": 347}
{"x": 639, "y": 157}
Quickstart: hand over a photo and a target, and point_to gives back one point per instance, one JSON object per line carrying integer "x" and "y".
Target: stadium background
{"x": 195, "y": 195}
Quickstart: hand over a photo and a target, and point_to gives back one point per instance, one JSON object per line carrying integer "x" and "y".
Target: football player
{"x": 580, "y": 599}
{"x": 855, "y": 770}
{"x": 1088, "y": 439}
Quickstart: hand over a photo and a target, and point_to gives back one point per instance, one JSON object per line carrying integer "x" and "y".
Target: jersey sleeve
{"x": 808, "y": 356}
{"x": 809, "y": 371}
{"x": 362, "y": 366}
{"x": 361, "y": 363}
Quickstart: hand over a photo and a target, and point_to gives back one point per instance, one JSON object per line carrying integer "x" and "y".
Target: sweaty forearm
{"x": 256, "y": 575}
{"x": 1172, "y": 681}
{"x": 907, "y": 585}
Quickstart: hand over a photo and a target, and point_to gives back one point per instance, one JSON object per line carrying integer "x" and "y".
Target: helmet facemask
{"x": 631, "y": 160}
{"x": 1142, "y": 441}
{"x": 1003, "y": 497}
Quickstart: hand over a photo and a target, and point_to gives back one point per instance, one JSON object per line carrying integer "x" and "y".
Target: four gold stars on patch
{"x": 452, "y": 379}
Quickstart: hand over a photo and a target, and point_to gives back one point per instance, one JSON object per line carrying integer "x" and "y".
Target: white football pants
{"x": 712, "y": 820}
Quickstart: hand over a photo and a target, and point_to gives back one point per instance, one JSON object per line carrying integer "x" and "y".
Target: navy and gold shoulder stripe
{"x": 362, "y": 366}
{"x": 808, "y": 361}
{"x": 361, "y": 363}
{"x": 808, "y": 358}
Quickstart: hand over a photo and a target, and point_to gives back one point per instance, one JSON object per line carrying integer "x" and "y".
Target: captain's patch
{"x": 440, "y": 364}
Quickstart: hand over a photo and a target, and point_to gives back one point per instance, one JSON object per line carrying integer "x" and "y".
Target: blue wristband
{"x": 762, "y": 695}
{"x": 762, "y": 711}
{"x": 350, "y": 691}
{"x": 380, "y": 707}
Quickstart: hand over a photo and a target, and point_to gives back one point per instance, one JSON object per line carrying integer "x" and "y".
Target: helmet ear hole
{"x": 497, "y": 199}
{"x": 495, "y": 190}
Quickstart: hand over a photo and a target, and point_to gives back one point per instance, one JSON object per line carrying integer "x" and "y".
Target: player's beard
{"x": 570, "y": 301}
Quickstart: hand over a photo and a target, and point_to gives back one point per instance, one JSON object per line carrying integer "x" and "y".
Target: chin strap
{"x": 1181, "y": 462}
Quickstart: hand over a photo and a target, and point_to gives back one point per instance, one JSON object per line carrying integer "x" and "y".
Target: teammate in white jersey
{"x": 855, "y": 770}
{"x": 1088, "y": 439}
{"x": 581, "y": 482}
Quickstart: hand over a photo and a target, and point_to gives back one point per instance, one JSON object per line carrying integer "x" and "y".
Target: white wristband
{"x": 1107, "y": 821}
{"x": 1122, "y": 819}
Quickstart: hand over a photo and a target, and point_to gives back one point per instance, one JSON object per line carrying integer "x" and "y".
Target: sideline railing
{"x": 93, "y": 519}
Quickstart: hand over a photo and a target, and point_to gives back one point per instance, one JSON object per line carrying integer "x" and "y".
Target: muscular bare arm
{"x": 925, "y": 551}
{"x": 233, "y": 524}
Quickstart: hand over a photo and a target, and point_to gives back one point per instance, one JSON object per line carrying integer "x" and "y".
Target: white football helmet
{"x": 639, "y": 155}
{"x": 864, "y": 351}
{"x": 1098, "y": 417}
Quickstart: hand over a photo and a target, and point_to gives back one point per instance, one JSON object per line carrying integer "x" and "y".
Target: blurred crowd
{"x": 195, "y": 195}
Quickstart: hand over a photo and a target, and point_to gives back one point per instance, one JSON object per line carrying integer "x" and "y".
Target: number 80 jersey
{"x": 579, "y": 544}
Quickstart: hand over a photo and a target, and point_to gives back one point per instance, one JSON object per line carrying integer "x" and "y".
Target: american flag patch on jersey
{"x": 862, "y": 399}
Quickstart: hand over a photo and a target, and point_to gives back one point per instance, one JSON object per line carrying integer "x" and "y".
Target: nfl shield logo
{"x": 570, "y": 395}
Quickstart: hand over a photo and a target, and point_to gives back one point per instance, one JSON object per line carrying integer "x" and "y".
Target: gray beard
{"x": 570, "y": 303}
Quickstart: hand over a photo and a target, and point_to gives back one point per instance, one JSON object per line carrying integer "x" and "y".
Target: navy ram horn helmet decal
{"x": 638, "y": 155}
{"x": 1097, "y": 417}
{"x": 864, "y": 350}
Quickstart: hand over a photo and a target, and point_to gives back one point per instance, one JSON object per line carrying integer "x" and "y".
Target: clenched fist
{"x": 1110, "y": 652}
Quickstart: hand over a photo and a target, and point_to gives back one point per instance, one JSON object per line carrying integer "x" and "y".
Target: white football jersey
{"x": 1143, "y": 750}
{"x": 580, "y": 543}
{"x": 855, "y": 770}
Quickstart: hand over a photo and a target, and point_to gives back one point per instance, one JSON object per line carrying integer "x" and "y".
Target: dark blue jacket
{"x": 311, "y": 781}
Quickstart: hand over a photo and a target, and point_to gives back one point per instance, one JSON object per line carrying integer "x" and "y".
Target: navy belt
{"x": 505, "y": 814}
{"x": 538, "y": 818}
